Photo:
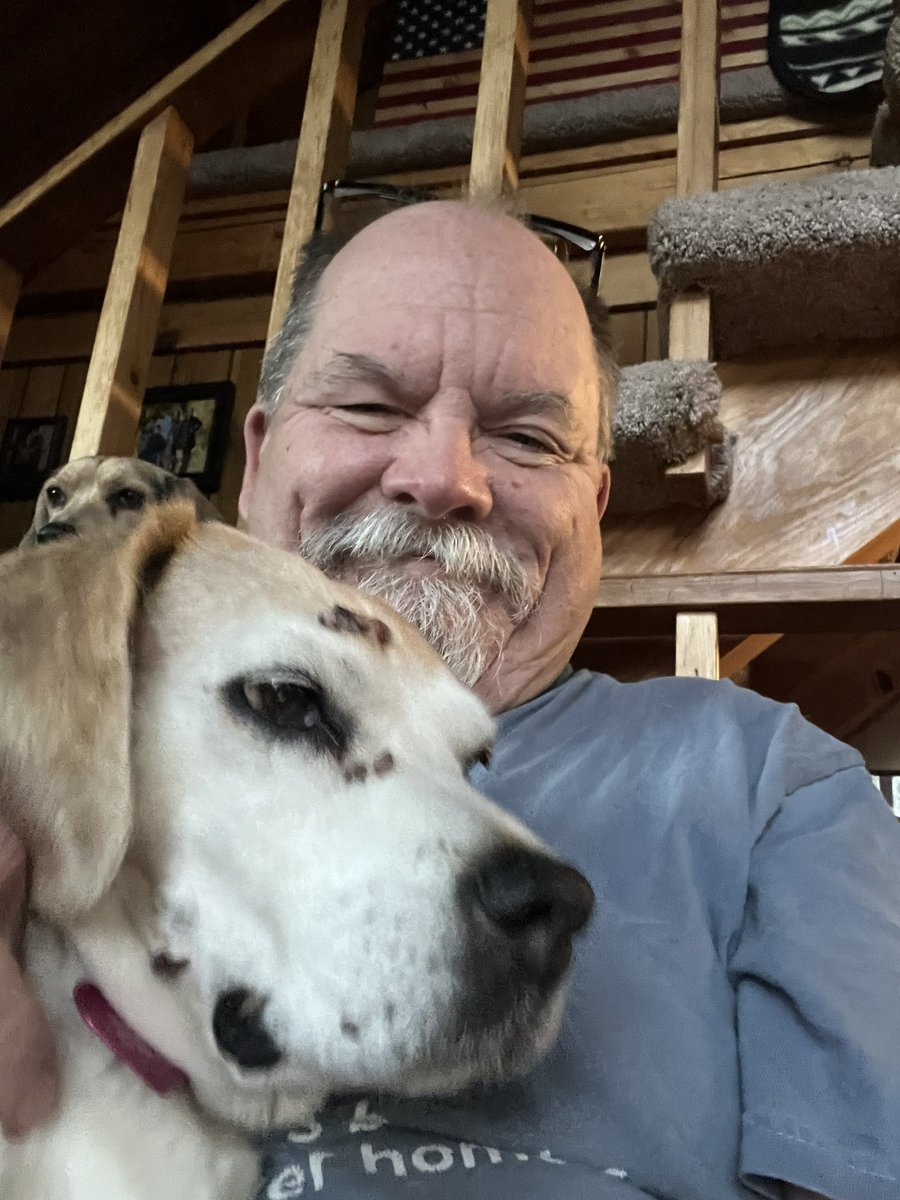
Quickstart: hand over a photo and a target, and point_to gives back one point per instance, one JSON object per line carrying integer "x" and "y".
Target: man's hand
{"x": 29, "y": 1085}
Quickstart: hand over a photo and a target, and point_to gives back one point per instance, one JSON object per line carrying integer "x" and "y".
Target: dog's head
{"x": 106, "y": 496}
{"x": 307, "y": 896}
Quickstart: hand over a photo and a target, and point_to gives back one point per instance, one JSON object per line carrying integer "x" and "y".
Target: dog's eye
{"x": 56, "y": 497}
{"x": 126, "y": 498}
{"x": 289, "y": 709}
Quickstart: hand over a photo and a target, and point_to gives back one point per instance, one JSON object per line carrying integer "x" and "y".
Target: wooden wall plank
{"x": 323, "y": 147}
{"x": 10, "y": 285}
{"x": 497, "y": 135}
{"x": 69, "y": 401}
{"x": 111, "y": 406}
{"x": 13, "y": 382}
{"x": 245, "y": 369}
{"x": 41, "y": 395}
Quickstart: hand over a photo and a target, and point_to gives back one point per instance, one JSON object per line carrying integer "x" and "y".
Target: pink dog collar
{"x": 128, "y": 1046}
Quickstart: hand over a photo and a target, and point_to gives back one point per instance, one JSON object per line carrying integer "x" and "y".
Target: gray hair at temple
{"x": 315, "y": 257}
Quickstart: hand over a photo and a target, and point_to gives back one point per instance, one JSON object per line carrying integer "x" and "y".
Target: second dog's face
{"x": 335, "y": 908}
{"x": 105, "y": 496}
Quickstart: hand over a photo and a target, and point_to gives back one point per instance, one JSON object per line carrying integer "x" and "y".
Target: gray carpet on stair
{"x": 666, "y": 411}
{"x": 610, "y": 115}
{"x": 786, "y": 262}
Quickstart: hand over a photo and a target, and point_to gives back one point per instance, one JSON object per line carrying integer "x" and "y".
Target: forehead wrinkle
{"x": 346, "y": 367}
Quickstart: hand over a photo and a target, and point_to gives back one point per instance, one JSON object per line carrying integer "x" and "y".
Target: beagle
{"x": 260, "y": 876}
{"x": 99, "y": 495}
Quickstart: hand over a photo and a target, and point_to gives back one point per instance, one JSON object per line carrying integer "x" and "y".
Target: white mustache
{"x": 463, "y": 550}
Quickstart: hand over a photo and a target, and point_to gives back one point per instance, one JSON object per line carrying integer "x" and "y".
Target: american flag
{"x": 577, "y": 49}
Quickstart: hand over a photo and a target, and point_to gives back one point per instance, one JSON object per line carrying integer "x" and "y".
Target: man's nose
{"x": 436, "y": 472}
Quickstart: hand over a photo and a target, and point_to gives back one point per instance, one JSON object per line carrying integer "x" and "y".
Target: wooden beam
{"x": 698, "y": 100}
{"x": 323, "y": 147}
{"x": 689, "y": 326}
{"x": 497, "y": 136}
{"x": 696, "y": 171}
{"x": 262, "y": 47}
{"x": 755, "y": 602}
{"x": 10, "y": 285}
{"x": 697, "y": 645}
{"x": 111, "y": 406}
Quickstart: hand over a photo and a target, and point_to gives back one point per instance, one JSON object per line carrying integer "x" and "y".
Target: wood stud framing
{"x": 697, "y": 645}
{"x": 110, "y": 408}
{"x": 696, "y": 170}
{"x": 497, "y": 136}
{"x": 323, "y": 147}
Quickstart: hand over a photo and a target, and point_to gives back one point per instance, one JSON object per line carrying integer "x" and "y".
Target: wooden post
{"x": 111, "y": 405}
{"x": 323, "y": 147}
{"x": 696, "y": 171}
{"x": 497, "y": 136}
{"x": 697, "y": 645}
{"x": 10, "y": 285}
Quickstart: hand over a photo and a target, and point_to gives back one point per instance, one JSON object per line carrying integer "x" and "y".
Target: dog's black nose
{"x": 54, "y": 530}
{"x": 534, "y": 902}
{"x": 239, "y": 1031}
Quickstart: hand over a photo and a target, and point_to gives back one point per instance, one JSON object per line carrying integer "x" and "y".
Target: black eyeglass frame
{"x": 586, "y": 241}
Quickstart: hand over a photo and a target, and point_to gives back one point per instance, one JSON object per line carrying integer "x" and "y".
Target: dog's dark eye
{"x": 125, "y": 498}
{"x": 289, "y": 709}
{"x": 56, "y": 497}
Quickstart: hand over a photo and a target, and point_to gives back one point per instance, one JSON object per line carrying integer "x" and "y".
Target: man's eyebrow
{"x": 541, "y": 403}
{"x": 346, "y": 367}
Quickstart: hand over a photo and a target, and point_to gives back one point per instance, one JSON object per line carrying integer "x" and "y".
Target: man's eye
{"x": 56, "y": 497}
{"x": 288, "y": 710}
{"x": 530, "y": 441}
{"x": 370, "y": 410}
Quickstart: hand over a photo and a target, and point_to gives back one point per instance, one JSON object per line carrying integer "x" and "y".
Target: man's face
{"x": 448, "y": 378}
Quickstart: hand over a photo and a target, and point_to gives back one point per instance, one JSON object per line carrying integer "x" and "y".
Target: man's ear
{"x": 67, "y": 611}
{"x": 255, "y": 429}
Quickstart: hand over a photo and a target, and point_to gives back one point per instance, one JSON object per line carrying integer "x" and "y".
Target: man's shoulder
{"x": 591, "y": 713}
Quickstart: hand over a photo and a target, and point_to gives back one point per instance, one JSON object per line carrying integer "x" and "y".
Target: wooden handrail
{"x": 828, "y": 599}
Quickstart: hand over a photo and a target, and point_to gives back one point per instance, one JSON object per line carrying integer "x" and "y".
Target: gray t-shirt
{"x": 735, "y": 1007}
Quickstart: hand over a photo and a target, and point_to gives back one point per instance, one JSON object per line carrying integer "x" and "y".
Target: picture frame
{"x": 31, "y": 449}
{"x": 184, "y": 429}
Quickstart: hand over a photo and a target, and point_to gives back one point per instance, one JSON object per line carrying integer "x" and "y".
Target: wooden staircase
{"x": 812, "y": 491}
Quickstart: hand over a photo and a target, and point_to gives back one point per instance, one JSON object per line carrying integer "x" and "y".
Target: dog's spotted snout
{"x": 240, "y": 1032}
{"x": 535, "y": 903}
{"x": 53, "y": 531}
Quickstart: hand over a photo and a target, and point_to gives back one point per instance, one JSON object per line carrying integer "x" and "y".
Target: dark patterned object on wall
{"x": 831, "y": 50}
{"x": 428, "y": 27}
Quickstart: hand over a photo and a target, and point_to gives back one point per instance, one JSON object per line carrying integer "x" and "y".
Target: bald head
{"x": 445, "y": 252}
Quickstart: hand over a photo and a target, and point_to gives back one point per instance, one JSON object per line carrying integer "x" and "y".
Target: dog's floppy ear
{"x": 176, "y": 487}
{"x": 66, "y": 616}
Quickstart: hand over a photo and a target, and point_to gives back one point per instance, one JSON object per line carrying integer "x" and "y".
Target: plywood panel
{"x": 629, "y": 337}
{"x": 816, "y": 469}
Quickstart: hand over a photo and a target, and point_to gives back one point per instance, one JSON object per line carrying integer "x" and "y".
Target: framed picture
{"x": 31, "y": 450}
{"x": 184, "y": 429}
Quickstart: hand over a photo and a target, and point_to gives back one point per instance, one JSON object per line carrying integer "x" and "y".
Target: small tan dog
{"x": 107, "y": 495}
{"x": 260, "y": 875}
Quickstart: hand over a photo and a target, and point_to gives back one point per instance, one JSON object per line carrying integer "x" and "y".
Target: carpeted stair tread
{"x": 786, "y": 262}
{"x": 666, "y": 412}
